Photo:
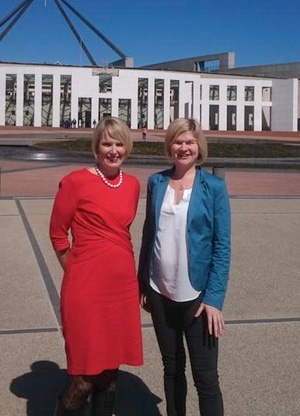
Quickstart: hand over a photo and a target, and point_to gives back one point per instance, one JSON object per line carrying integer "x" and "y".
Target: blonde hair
{"x": 183, "y": 125}
{"x": 116, "y": 129}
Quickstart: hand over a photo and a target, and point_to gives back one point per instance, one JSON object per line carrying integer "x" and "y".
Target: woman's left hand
{"x": 215, "y": 320}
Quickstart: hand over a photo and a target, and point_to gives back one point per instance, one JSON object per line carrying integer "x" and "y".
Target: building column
{"x": 240, "y": 107}
{"x": 181, "y": 109}
{"x": 2, "y": 98}
{"x": 115, "y": 106}
{"x": 205, "y": 106}
{"x": 134, "y": 106}
{"x": 56, "y": 101}
{"x": 257, "y": 107}
{"x": 196, "y": 112}
{"x": 74, "y": 101}
{"x": 222, "y": 107}
{"x": 257, "y": 117}
{"x": 95, "y": 110}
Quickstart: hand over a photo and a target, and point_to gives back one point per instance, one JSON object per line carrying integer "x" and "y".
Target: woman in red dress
{"x": 99, "y": 294}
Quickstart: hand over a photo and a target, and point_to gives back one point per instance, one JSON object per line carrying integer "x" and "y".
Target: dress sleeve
{"x": 64, "y": 207}
{"x": 137, "y": 189}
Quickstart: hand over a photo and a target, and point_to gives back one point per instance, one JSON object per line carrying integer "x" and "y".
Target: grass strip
{"x": 224, "y": 150}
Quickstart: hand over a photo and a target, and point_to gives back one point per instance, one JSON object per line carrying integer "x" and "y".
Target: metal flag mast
{"x": 17, "y": 13}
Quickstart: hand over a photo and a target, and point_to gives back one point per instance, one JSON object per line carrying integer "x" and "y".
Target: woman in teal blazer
{"x": 184, "y": 267}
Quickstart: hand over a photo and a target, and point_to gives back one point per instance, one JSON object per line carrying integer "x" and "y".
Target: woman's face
{"x": 111, "y": 154}
{"x": 184, "y": 149}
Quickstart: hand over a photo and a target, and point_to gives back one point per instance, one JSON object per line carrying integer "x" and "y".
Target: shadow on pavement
{"x": 45, "y": 382}
{"x": 40, "y": 387}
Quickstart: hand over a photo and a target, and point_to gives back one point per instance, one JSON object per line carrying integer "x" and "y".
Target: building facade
{"x": 53, "y": 95}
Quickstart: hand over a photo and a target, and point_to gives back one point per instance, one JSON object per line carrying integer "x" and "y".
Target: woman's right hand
{"x": 215, "y": 319}
{"x": 144, "y": 302}
{"x": 62, "y": 256}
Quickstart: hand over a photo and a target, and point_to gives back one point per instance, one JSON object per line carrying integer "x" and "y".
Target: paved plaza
{"x": 259, "y": 352}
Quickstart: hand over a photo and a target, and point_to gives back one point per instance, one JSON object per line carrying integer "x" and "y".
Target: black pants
{"x": 173, "y": 320}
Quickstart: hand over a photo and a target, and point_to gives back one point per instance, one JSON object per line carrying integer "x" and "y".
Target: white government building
{"x": 51, "y": 95}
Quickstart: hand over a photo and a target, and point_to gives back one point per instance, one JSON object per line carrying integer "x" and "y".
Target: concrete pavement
{"x": 259, "y": 352}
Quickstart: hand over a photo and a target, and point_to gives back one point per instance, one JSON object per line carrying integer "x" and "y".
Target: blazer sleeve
{"x": 216, "y": 288}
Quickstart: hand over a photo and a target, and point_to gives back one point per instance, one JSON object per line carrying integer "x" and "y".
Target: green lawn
{"x": 226, "y": 150}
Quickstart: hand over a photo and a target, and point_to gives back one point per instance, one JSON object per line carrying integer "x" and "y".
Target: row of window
{"x": 105, "y": 85}
{"x": 214, "y": 93}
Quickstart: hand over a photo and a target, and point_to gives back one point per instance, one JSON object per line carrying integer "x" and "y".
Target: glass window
{"x": 174, "y": 99}
{"x": 11, "y": 99}
{"x": 142, "y": 102}
{"x": 104, "y": 107}
{"x": 105, "y": 83}
{"x": 28, "y": 104}
{"x": 214, "y": 117}
{"x": 214, "y": 92}
{"x": 125, "y": 111}
{"x": 47, "y": 97}
{"x": 84, "y": 112}
{"x": 159, "y": 104}
{"x": 65, "y": 98}
{"x": 231, "y": 92}
{"x": 249, "y": 93}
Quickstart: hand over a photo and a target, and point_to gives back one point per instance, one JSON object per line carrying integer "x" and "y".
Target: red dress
{"x": 99, "y": 294}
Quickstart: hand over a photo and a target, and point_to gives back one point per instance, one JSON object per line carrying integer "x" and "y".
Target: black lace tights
{"x": 79, "y": 388}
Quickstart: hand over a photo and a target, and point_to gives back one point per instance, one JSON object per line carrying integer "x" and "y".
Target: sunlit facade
{"x": 50, "y": 95}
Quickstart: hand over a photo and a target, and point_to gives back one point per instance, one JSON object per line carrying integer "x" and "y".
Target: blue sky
{"x": 150, "y": 31}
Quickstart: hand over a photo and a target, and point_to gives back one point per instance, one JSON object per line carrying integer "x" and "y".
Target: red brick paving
{"x": 40, "y": 179}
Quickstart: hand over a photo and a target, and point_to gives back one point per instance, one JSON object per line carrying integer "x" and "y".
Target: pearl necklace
{"x": 111, "y": 185}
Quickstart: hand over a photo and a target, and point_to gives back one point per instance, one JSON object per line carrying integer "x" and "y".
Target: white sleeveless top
{"x": 169, "y": 268}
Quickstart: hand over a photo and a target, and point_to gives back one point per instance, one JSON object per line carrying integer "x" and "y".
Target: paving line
{"x": 249, "y": 321}
{"x": 264, "y": 196}
{"x": 46, "y": 275}
{"x": 27, "y": 331}
{"x": 150, "y": 325}
{"x": 262, "y": 321}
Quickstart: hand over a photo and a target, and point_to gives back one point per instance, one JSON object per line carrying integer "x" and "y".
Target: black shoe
{"x": 60, "y": 410}
{"x": 102, "y": 403}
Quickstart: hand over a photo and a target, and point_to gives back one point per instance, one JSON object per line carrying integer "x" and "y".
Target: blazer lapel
{"x": 161, "y": 187}
{"x": 199, "y": 198}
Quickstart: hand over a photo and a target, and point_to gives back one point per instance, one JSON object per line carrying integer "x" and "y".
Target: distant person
{"x": 184, "y": 267}
{"x": 94, "y": 123}
{"x": 144, "y": 133}
{"x": 74, "y": 122}
{"x": 99, "y": 295}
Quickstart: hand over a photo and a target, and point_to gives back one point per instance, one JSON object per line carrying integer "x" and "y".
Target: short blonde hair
{"x": 116, "y": 128}
{"x": 183, "y": 125}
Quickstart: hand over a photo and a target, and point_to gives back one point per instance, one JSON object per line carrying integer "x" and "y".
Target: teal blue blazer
{"x": 208, "y": 233}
